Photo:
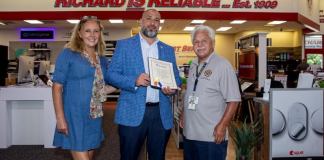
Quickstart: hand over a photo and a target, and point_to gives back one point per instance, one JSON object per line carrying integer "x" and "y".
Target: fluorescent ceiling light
{"x": 160, "y": 28}
{"x": 73, "y": 21}
{"x": 1, "y": 23}
{"x": 116, "y": 21}
{"x": 223, "y": 28}
{"x": 198, "y": 21}
{"x": 189, "y": 28}
{"x": 276, "y": 22}
{"x": 34, "y": 21}
{"x": 161, "y": 20}
{"x": 238, "y": 21}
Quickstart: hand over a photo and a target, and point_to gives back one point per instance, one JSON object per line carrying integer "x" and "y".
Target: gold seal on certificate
{"x": 161, "y": 74}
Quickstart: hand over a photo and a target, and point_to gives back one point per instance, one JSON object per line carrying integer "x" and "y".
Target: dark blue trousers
{"x": 151, "y": 129}
{"x": 199, "y": 150}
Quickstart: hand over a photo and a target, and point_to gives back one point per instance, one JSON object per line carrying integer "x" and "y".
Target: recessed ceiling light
{"x": 238, "y": 21}
{"x": 276, "y": 22}
{"x": 73, "y": 21}
{"x": 189, "y": 28}
{"x": 34, "y": 21}
{"x": 198, "y": 21}
{"x": 161, "y": 20}
{"x": 116, "y": 21}
{"x": 1, "y": 23}
{"x": 223, "y": 28}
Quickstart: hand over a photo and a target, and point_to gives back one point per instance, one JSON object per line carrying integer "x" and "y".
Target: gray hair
{"x": 210, "y": 31}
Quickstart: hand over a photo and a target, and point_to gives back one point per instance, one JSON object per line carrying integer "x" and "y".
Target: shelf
{"x": 39, "y": 49}
{"x": 39, "y": 53}
{"x": 110, "y": 48}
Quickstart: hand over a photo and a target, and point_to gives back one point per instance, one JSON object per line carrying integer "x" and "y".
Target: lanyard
{"x": 198, "y": 75}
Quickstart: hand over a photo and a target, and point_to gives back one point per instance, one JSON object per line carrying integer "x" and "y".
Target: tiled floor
{"x": 172, "y": 152}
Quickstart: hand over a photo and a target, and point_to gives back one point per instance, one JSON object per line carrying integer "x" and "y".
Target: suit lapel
{"x": 161, "y": 51}
{"x": 138, "y": 53}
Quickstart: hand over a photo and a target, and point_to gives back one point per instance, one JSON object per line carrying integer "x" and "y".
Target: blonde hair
{"x": 77, "y": 44}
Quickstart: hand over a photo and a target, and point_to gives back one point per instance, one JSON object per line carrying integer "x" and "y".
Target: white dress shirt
{"x": 151, "y": 51}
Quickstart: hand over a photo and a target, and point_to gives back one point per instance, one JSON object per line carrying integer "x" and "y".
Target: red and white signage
{"x": 313, "y": 42}
{"x": 259, "y": 4}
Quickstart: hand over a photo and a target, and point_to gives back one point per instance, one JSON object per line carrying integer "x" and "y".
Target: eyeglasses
{"x": 84, "y": 19}
{"x": 89, "y": 17}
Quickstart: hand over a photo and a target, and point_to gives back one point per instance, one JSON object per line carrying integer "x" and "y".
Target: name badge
{"x": 193, "y": 101}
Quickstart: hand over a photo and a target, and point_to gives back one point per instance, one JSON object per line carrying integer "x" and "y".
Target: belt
{"x": 152, "y": 104}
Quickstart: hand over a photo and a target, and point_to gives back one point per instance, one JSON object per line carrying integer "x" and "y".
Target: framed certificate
{"x": 161, "y": 74}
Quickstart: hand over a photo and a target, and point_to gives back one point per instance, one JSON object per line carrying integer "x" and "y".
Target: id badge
{"x": 193, "y": 101}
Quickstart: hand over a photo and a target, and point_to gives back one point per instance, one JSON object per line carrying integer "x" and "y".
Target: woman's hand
{"x": 62, "y": 127}
{"x": 61, "y": 124}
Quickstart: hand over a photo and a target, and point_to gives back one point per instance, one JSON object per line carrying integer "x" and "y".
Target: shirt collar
{"x": 144, "y": 41}
{"x": 206, "y": 61}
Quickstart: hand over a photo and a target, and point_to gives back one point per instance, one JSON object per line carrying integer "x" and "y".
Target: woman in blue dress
{"x": 79, "y": 90}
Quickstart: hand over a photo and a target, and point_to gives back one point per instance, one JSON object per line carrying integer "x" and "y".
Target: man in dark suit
{"x": 143, "y": 112}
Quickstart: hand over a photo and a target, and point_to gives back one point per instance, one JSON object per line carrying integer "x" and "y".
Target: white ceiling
{"x": 169, "y": 25}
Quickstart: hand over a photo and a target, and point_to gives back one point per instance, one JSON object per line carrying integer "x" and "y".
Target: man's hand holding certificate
{"x": 161, "y": 74}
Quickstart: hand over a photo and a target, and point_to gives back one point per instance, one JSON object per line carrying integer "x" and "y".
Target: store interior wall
{"x": 321, "y": 8}
{"x": 308, "y": 8}
{"x": 224, "y": 45}
{"x": 54, "y": 46}
{"x": 284, "y": 39}
{"x": 298, "y": 38}
{"x": 7, "y": 36}
{"x": 182, "y": 46}
{"x": 11, "y": 38}
{"x": 279, "y": 39}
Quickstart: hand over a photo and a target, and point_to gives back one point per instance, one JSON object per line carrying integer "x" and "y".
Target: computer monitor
{"x": 44, "y": 68}
{"x": 26, "y": 69}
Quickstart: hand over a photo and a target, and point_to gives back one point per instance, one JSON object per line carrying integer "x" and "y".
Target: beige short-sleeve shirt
{"x": 217, "y": 85}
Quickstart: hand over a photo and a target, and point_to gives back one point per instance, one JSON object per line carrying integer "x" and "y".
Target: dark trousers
{"x": 151, "y": 129}
{"x": 199, "y": 150}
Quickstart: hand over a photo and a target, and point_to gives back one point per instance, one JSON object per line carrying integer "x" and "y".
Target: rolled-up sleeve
{"x": 61, "y": 67}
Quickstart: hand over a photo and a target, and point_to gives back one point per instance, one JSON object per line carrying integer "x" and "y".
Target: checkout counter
{"x": 27, "y": 116}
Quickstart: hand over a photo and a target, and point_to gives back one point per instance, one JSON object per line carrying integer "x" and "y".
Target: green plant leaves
{"x": 246, "y": 136}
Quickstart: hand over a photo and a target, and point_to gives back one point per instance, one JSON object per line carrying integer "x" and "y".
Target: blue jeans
{"x": 199, "y": 150}
{"x": 151, "y": 129}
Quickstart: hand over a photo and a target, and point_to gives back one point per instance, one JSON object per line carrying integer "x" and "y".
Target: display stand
{"x": 298, "y": 130}
{"x": 177, "y": 106}
{"x": 261, "y": 106}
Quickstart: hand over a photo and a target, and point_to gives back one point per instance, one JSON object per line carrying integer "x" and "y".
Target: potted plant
{"x": 246, "y": 136}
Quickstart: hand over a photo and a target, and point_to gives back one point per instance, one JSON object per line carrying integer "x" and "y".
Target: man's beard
{"x": 148, "y": 33}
